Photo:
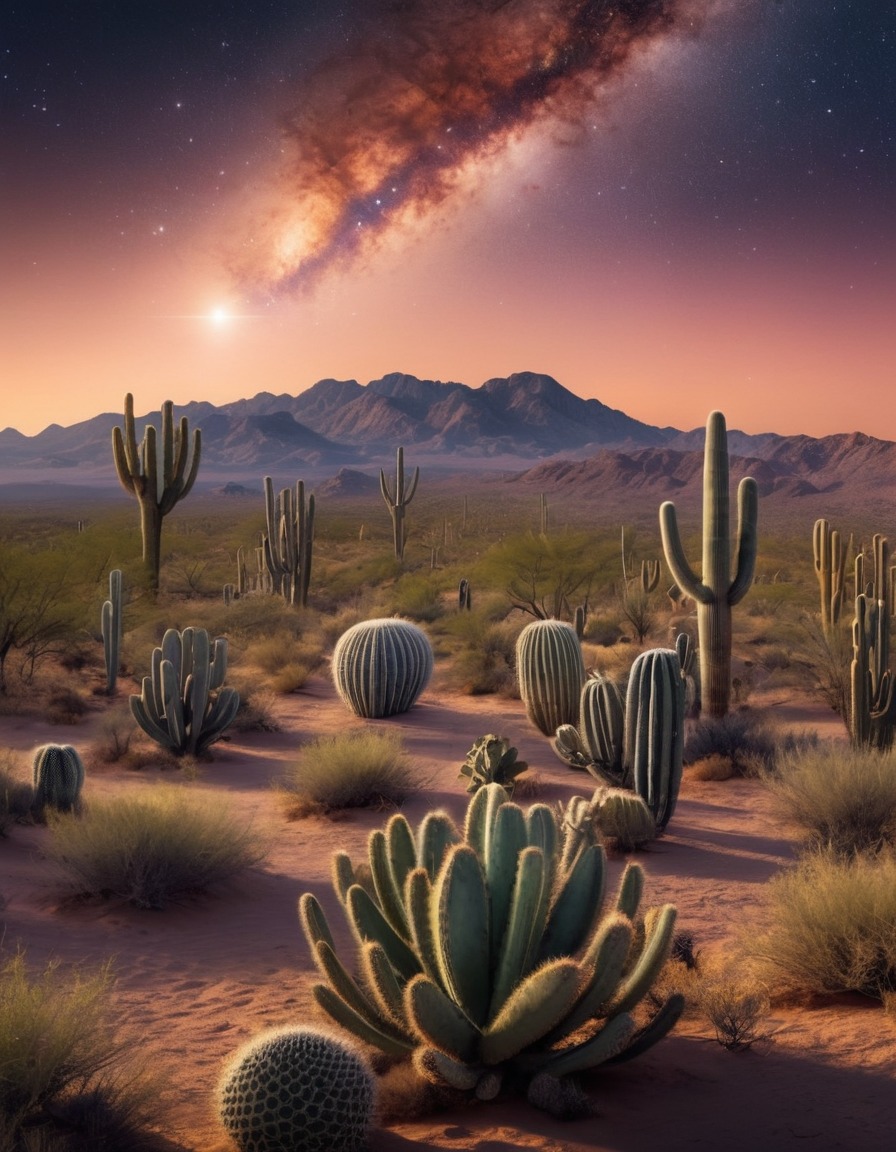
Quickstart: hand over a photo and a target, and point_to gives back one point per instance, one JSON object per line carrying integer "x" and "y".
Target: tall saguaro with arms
{"x": 715, "y": 592}
{"x": 158, "y": 484}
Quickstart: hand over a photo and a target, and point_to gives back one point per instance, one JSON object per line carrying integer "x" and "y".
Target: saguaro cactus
{"x": 183, "y": 705}
{"x": 830, "y": 566}
{"x": 289, "y": 540}
{"x": 111, "y": 627}
{"x": 715, "y": 592}
{"x": 157, "y": 484}
{"x": 398, "y": 503}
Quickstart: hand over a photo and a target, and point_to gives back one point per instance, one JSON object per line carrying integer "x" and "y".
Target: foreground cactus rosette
{"x": 486, "y": 952}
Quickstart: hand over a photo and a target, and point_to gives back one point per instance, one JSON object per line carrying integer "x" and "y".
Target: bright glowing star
{"x": 219, "y": 316}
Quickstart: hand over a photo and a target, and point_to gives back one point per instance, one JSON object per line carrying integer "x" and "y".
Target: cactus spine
{"x": 550, "y": 671}
{"x": 492, "y": 954}
{"x": 183, "y": 704}
{"x": 289, "y": 541}
{"x": 297, "y": 1088}
{"x": 380, "y": 667}
{"x": 158, "y": 484}
{"x": 716, "y": 592}
{"x": 111, "y": 628}
{"x": 397, "y": 503}
{"x": 58, "y": 776}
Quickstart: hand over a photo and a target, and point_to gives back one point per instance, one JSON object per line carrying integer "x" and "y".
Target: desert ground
{"x": 195, "y": 981}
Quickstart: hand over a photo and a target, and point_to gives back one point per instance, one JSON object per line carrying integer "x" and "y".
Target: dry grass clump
{"x": 356, "y": 769}
{"x": 483, "y": 664}
{"x": 150, "y": 850}
{"x": 115, "y": 732}
{"x": 844, "y": 798}
{"x": 16, "y": 795}
{"x": 285, "y": 662}
{"x": 831, "y": 926}
{"x": 63, "y": 1084}
{"x": 739, "y": 744}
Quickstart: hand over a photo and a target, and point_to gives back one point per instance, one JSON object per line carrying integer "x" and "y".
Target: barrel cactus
{"x": 58, "y": 777}
{"x": 550, "y": 671}
{"x": 380, "y": 667}
{"x": 297, "y": 1088}
{"x": 485, "y": 950}
{"x": 183, "y": 704}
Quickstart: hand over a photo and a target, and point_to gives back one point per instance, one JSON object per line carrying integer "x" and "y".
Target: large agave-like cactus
{"x": 488, "y": 950}
{"x": 714, "y": 591}
{"x": 380, "y": 667}
{"x": 550, "y": 671}
{"x": 183, "y": 704}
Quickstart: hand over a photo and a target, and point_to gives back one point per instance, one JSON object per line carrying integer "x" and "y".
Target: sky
{"x": 669, "y": 205}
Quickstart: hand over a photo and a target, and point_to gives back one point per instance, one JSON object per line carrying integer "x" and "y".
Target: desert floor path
{"x": 195, "y": 981}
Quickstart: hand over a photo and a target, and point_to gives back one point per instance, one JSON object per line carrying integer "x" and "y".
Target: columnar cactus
{"x": 58, "y": 777}
{"x": 297, "y": 1088}
{"x": 485, "y": 951}
{"x": 464, "y": 598}
{"x": 380, "y": 667}
{"x": 289, "y": 541}
{"x": 183, "y": 704}
{"x": 550, "y": 671}
{"x": 830, "y": 567}
{"x": 111, "y": 628}
{"x": 654, "y": 731}
{"x": 158, "y": 484}
{"x": 397, "y": 502}
{"x": 715, "y": 592}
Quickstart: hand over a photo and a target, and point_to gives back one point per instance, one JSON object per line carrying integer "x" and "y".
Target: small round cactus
{"x": 297, "y": 1088}
{"x": 380, "y": 667}
{"x": 58, "y": 774}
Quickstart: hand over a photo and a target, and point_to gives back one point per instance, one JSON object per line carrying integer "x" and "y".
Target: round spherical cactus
{"x": 58, "y": 775}
{"x": 297, "y": 1088}
{"x": 550, "y": 671}
{"x": 380, "y": 667}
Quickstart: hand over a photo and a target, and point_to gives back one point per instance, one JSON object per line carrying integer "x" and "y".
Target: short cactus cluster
{"x": 297, "y": 1088}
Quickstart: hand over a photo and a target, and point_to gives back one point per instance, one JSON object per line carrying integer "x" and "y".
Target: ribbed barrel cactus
{"x": 550, "y": 671}
{"x": 58, "y": 776}
{"x": 488, "y": 950}
{"x": 183, "y": 704}
{"x": 297, "y": 1088}
{"x": 380, "y": 667}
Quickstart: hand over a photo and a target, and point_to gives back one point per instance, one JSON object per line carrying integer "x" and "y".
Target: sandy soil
{"x": 196, "y": 981}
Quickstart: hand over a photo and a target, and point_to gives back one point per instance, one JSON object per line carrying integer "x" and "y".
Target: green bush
{"x": 844, "y": 798}
{"x": 61, "y": 1061}
{"x": 150, "y": 850}
{"x": 356, "y": 769}
{"x": 831, "y": 926}
{"x": 741, "y": 744}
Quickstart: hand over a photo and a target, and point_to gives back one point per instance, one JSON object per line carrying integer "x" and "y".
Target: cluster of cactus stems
{"x": 289, "y": 541}
{"x": 872, "y": 719}
{"x": 715, "y": 591}
{"x": 397, "y": 501}
{"x": 58, "y": 777}
{"x": 183, "y": 705}
{"x": 638, "y": 744}
{"x": 487, "y": 951}
{"x": 830, "y": 568}
{"x": 110, "y": 620}
{"x": 550, "y": 671}
{"x": 158, "y": 475}
{"x": 492, "y": 760}
{"x": 380, "y": 667}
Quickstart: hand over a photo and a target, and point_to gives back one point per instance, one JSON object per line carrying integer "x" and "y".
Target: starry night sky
{"x": 671, "y": 205}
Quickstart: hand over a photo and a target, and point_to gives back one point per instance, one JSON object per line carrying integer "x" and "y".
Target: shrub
{"x": 150, "y": 850}
{"x": 114, "y": 735}
{"x": 485, "y": 664}
{"x": 740, "y": 744}
{"x": 831, "y": 926}
{"x": 58, "y": 1050}
{"x": 735, "y": 1006}
{"x": 16, "y": 796}
{"x": 845, "y": 798}
{"x": 359, "y": 769}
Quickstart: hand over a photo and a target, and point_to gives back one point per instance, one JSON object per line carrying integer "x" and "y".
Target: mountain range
{"x": 527, "y": 424}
